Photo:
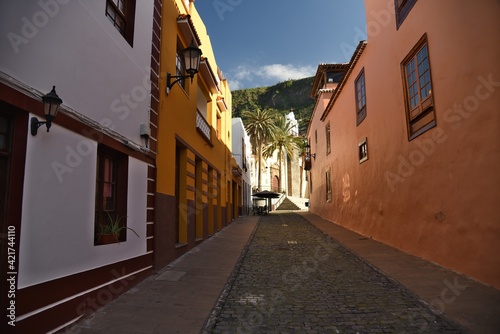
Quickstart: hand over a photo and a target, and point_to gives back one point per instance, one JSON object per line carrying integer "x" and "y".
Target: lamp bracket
{"x": 35, "y": 124}
{"x": 177, "y": 79}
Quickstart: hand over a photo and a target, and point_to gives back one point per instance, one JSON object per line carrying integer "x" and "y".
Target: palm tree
{"x": 259, "y": 126}
{"x": 283, "y": 141}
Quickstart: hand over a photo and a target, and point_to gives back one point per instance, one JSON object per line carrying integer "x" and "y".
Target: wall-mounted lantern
{"x": 51, "y": 103}
{"x": 307, "y": 158}
{"x": 192, "y": 58}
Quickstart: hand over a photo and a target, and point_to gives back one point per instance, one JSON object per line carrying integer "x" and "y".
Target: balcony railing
{"x": 202, "y": 125}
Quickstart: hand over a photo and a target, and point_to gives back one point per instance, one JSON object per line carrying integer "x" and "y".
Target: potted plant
{"x": 110, "y": 233}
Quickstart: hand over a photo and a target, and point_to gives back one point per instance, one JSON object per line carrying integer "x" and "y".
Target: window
{"x": 316, "y": 136}
{"x": 219, "y": 126}
{"x": 327, "y": 136}
{"x": 363, "y": 150}
{"x": 180, "y": 68}
{"x": 328, "y": 186}
{"x": 360, "y": 97}
{"x": 402, "y": 7}
{"x": 418, "y": 90}
{"x": 122, "y": 14}
{"x": 111, "y": 189}
{"x": 333, "y": 77}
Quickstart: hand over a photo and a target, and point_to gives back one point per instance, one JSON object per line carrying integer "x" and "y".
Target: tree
{"x": 283, "y": 141}
{"x": 260, "y": 126}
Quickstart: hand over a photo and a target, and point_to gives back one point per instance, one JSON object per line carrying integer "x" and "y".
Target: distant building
{"x": 404, "y": 137}
{"x": 293, "y": 183}
{"x": 241, "y": 150}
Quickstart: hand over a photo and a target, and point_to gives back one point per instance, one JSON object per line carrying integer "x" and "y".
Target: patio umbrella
{"x": 266, "y": 194}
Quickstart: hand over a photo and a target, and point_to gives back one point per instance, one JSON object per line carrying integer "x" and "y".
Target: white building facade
{"x": 294, "y": 181}
{"x": 242, "y": 152}
{"x": 97, "y": 160}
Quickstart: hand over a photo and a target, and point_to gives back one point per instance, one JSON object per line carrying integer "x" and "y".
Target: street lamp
{"x": 307, "y": 158}
{"x": 51, "y": 103}
{"x": 192, "y": 58}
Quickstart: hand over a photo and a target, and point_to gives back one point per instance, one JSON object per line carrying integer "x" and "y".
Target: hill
{"x": 291, "y": 95}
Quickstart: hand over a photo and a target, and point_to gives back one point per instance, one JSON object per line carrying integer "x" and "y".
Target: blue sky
{"x": 263, "y": 42}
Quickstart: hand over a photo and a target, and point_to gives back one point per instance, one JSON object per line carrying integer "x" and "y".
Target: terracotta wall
{"x": 437, "y": 195}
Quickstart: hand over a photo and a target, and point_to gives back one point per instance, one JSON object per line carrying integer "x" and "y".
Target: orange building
{"x": 404, "y": 137}
{"x": 195, "y": 186}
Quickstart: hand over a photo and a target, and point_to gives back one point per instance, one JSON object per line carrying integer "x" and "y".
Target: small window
{"x": 180, "y": 68}
{"x": 418, "y": 90}
{"x": 122, "y": 14}
{"x": 360, "y": 97}
{"x": 334, "y": 77}
{"x": 111, "y": 193}
{"x": 363, "y": 151}
{"x": 327, "y": 136}
{"x": 402, "y": 7}
{"x": 219, "y": 126}
{"x": 316, "y": 136}
{"x": 328, "y": 186}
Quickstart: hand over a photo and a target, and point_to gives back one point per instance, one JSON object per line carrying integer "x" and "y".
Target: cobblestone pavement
{"x": 292, "y": 278}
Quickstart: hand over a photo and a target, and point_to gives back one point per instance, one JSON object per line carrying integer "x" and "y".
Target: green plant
{"x": 114, "y": 227}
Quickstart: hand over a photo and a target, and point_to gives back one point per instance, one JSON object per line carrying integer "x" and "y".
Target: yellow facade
{"x": 194, "y": 165}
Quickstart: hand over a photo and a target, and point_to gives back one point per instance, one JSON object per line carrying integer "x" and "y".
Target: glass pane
{"x": 121, "y": 6}
{"x": 108, "y": 199}
{"x": 3, "y": 124}
{"x": 110, "y": 12}
{"x": 424, "y": 51}
{"x": 120, "y": 24}
{"x": 108, "y": 170}
{"x": 4, "y": 134}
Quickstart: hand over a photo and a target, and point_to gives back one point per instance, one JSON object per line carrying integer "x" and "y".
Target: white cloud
{"x": 282, "y": 72}
{"x": 245, "y": 76}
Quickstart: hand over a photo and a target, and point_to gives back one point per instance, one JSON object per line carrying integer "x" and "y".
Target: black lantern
{"x": 192, "y": 58}
{"x": 307, "y": 158}
{"x": 51, "y": 103}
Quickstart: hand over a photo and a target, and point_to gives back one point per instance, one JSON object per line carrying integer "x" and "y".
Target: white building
{"x": 241, "y": 152}
{"x": 96, "y": 159}
{"x": 294, "y": 181}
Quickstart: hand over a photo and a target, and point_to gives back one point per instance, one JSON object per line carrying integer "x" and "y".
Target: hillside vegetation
{"x": 291, "y": 95}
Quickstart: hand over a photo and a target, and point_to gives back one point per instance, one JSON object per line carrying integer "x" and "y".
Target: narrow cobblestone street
{"x": 292, "y": 278}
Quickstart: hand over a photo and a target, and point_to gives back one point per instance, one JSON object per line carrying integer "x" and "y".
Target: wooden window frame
{"x": 402, "y": 9}
{"x": 421, "y": 117}
{"x": 120, "y": 190}
{"x": 328, "y": 181}
{"x": 360, "y": 96}
{"x": 115, "y": 15}
{"x": 328, "y": 138}
{"x": 363, "y": 150}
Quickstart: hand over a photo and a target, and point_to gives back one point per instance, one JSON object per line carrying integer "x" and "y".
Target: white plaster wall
{"x": 57, "y": 227}
{"x": 72, "y": 45}
{"x": 239, "y": 133}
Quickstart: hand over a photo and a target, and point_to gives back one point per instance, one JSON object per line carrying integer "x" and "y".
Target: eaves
{"x": 354, "y": 59}
{"x": 188, "y": 30}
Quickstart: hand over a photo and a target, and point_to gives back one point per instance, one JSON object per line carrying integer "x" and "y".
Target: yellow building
{"x": 195, "y": 183}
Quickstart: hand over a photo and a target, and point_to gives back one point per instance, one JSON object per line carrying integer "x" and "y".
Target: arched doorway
{"x": 275, "y": 184}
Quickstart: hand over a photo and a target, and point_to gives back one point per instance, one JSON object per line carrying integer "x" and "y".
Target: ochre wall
{"x": 177, "y": 130}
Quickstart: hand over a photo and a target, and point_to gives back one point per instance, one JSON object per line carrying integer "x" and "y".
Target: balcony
{"x": 203, "y": 127}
